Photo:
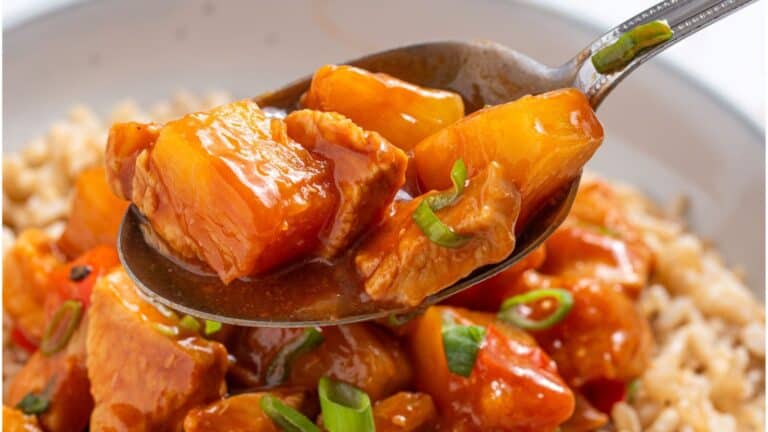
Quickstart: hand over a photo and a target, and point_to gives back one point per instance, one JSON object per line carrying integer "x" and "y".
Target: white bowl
{"x": 664, "y": 134}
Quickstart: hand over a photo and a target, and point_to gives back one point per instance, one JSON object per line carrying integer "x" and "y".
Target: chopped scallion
{"x": 345, "y": 407}
{"x": 280, "y": 367}
{"x": 510, "y": 314}
{"x": 33, "y": 404}
{"x": 190, "y": 323}
{"x": 170, "y": 331}
{"x": 444, "y": 199}
{"x": 620, "y": 53}
{"x": 435, "y": 230}
{"x": 62, "y": 326}
{"x": 211, "y": 327}
{"x": 632, "y": 388}
{"x": 285, "y": 417}
{"x": 461, "y": 344}
{"x": 425, "y": 218}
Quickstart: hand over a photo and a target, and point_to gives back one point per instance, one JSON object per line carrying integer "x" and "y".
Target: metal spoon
{"x": 483, "y": 73}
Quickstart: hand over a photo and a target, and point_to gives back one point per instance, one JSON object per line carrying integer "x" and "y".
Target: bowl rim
{"x": 757, "y": 130}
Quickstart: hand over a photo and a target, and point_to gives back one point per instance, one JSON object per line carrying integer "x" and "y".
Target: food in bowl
{"x": 619, "y": 317}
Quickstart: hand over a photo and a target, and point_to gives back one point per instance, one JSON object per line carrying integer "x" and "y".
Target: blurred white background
{"x": 728, "y": 57}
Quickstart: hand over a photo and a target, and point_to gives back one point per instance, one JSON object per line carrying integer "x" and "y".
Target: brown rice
{"x": 708, "y": 370}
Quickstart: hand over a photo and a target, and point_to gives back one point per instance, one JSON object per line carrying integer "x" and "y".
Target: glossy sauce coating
{"x": 359, "y": 354}
{"x": 240, "y": 413}
{"x": 95, "y": 215}
{"x": 140, "y": 378}
{"x": 509, "y": 369}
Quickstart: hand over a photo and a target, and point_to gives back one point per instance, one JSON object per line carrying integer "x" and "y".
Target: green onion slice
{"x": 62, "y": 326}
{"x": 632, "y": 388}
{"x": 461, "y": 344}
{"x": 510, "y": 314}
{"x": 190, "y": 323}
{"x": 620, "y": 53}
{"x": 211, "y": 327}
{"x": 425, "y": 218}
{"x": 344, "y": 407}
{"x": 167, "y": 330}
{"x": 444, "y": 199}
{"x": 435, "y": 230}
{"x": 285, "y": 417}
{"x": 280, "y": 367}
{"x": 33, "y": 404}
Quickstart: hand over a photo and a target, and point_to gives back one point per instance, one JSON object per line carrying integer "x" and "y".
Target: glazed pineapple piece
{"x": 542, "y": 142}
{"x": 402, "y": 112}
{"x": 95, "y": 216}
{"x": 405, "y": 412}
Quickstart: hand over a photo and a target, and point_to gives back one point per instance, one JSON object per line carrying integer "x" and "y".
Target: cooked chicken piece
{"x": 489, "y": 294}
{"x": 126, "y": 141}
{"x": 142, "y": 379}
{"x": 240, "y": 413}
{"x": 402, "y": 112}
{"x": 359, "y": 354}
{"x": 405, "y": 412}
{"x": 400, "y": 263}
{"x": 542, "y": 142}
{"x": 603, "y": 337}
{"x": 229, "y": 188}
{"x": 62, "y": 378}
{"x": 579, "y": 250}
{"x": 27, "y": 269}
{"x": 95, "y": 216}
{"x": 16, "y": 421}
{"x": 368, "y": 171}
{"x": 598, "y": 241}
{"x": 498, "y": 395}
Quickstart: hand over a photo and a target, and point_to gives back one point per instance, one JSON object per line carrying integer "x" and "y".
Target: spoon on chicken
{"x": 366, "y": 191}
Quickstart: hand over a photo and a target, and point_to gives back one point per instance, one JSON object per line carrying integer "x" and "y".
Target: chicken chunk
{"x": 405, "y": 412}
{"x": 126, "y": 141}
{"x": 63, "y": 379}
{"x": 399, "y": 263}
{"x": 542, "y": 142}
{"x": 16, "y": 421}
{"x": 228, "y": 187}
{"x": 603, "y": 337}
{"x": 368, "y": 171}
{"x": 142, "y": 379}
{"x": 598, "y": 241}
{"x": 513, "y": 384}
{"x": 240, "y": 413}
{"x": 95, "y": 216}
{"x": 27, "y": 269}
{"x": 359, "y": 354}
{"x": 402, "y": 112}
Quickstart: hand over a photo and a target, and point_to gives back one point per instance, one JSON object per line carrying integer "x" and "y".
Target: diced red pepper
{"x": 75, "y": 280}
{"x": 22, "y": 341}
{"x": 604, "y": 393}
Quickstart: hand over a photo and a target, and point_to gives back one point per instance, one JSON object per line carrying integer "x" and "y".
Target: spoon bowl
{"x": 483, "y": 73}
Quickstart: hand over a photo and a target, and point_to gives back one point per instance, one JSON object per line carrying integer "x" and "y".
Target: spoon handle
{"x": 684, "y": 17}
